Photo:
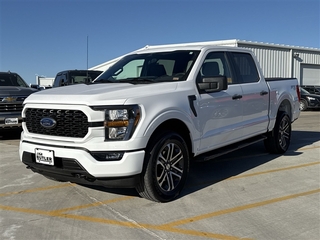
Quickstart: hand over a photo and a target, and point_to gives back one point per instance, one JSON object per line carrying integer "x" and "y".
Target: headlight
{"x": 311, "y": 98}
{"x": 120, "y": 121}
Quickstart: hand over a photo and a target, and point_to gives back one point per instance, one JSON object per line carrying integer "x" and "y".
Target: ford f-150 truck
{"x": 143, "y": 120}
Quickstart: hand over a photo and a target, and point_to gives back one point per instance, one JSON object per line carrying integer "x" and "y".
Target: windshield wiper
{"x": 137, "y": 80}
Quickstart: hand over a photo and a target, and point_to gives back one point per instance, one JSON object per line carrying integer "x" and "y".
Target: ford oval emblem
{"x": 48, "y": 122}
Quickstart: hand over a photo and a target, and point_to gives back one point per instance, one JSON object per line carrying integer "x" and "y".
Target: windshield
{"x": 304, "y": 91}
{"x": 12, "y": 79}
{"x": 83, "y": 76}
{"x": 151, "y": 68}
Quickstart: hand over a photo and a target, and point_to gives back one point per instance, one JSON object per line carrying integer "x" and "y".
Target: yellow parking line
{"x": 120, "y": 223}
{"x": 95, "y": 204}
{"x": 273, "y": 170}
{"x": 169, "y": 227}
{"x": 239, "y": 208}
{"x": 259, "y": 173}
{"x": 38, "y": 189}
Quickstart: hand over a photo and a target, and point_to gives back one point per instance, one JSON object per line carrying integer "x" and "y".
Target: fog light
{"x": 107, "y": 156}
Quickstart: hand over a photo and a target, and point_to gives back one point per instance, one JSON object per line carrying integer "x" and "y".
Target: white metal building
{"x": 275, "y": 60}
{"x": 44, "y": 81}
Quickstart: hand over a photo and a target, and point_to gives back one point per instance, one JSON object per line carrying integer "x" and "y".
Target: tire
{"x": 278, "y": 140}
{"x": 303, "y": 105}
{"x": 166, "y": 168}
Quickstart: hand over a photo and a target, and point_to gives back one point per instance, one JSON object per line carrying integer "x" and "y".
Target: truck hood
{"x": 8, "y": 91}
{"x": 97, "y": 94}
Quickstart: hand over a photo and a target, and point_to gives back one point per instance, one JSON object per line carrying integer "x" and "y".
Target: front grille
{"x": 69, "y": 123}
{"x": 11, "y": 104}
{"x": 10, "y": 107}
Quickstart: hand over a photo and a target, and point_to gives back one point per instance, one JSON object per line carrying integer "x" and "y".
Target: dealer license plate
{"x": 11, "y": 121}
{"x": 44, "y": 156}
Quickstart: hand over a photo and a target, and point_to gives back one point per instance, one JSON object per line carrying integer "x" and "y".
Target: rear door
{"x": 255, "y": 94}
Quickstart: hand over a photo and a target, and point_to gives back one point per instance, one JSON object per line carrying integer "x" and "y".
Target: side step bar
{"x": 224, "y": 150}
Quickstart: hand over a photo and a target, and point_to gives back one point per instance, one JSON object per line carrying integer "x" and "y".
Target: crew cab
{"x": 143, "y": 120}
{"x": 13, "y": 91}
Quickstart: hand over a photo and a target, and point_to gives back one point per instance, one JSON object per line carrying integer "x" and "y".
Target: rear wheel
{"x": 278, "y": 140}
{"x": 303, "y": 105}
{"x": 167, "y": 166}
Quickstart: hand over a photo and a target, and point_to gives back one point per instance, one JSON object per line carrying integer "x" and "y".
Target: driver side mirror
{"x": 213, "y": 84}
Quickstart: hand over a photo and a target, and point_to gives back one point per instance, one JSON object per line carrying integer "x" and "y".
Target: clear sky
{"x": 43, "y": 37}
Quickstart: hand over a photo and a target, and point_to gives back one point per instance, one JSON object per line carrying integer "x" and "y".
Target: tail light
{"x": 298, "y": 92}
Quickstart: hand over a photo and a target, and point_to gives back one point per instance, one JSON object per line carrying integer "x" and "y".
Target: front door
{"x": 220, "y": 113}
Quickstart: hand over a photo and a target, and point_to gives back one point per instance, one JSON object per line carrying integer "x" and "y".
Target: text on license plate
{"x": 11, "y": 121}
{"x": 44, "y": 156}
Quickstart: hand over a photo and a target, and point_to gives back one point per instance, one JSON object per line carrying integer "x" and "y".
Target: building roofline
{"x": 230, "y": 42}
{"x": 236, "y": 42}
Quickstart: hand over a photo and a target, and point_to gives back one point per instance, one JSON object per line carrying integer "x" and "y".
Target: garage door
{"x": 310, "y": 74}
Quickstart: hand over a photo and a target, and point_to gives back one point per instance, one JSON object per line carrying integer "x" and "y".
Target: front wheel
{"x": 303, "y": 105}
{"x": 166, "y": 169}
{"x": 278, "y": 140}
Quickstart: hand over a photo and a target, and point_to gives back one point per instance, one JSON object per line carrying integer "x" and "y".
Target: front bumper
{"x": 4, "y": 125}
{"x": 314, "y": 103}
{"x": 79, "y": 166}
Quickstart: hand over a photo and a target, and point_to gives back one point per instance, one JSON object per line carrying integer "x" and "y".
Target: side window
{"x": 56, "y": 81}
{"x": 245, "y": 67}
{"x": 60, "y": 80}
{"x": 216, "y": 64}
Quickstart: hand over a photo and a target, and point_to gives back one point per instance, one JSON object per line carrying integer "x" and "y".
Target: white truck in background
{"x": 143, "y": 120}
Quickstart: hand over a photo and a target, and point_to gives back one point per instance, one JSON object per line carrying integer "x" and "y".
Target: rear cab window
{"x": 245, "y": 67}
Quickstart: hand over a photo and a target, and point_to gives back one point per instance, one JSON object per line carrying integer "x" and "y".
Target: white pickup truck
{"x": 143, "y": 120}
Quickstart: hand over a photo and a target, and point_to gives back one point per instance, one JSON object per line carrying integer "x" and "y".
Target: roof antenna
{"x": 87, "y": 51}
{"x": 87, "y": 57}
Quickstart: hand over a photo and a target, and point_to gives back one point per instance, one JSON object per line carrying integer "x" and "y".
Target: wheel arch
{"x": 175, "y": 125}
{"x": 285, "y": 106}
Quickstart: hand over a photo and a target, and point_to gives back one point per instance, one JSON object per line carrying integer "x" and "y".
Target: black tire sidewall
{"x": 150, "y": 172}
{"x": 280, "y": 118}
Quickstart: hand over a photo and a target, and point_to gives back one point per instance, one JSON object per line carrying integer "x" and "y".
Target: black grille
{"x": 14, "y": 106}
{"x": 69, "y": 123}
{"x": 10, "y": 107}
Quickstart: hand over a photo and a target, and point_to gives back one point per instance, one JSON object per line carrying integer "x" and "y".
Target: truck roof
{"x": 188, "y": 46}
{"x": 76, "y": 70}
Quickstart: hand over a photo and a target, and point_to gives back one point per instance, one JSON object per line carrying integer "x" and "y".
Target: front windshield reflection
{"x": 150, "y": 68}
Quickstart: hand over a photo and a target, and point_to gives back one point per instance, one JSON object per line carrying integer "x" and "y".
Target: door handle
{"x": 263, "y": 93}
{"x": 236, "y": 96}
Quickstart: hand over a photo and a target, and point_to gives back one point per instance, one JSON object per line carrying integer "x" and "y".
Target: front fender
{"x": 173, "y": 114}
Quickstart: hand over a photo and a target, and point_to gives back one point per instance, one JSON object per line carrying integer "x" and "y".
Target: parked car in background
{"x": 70, "y": 77}
{"x": 13, "y": 91}
{"x": 308, "y": 100}
{"x": 312, "y": 89}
